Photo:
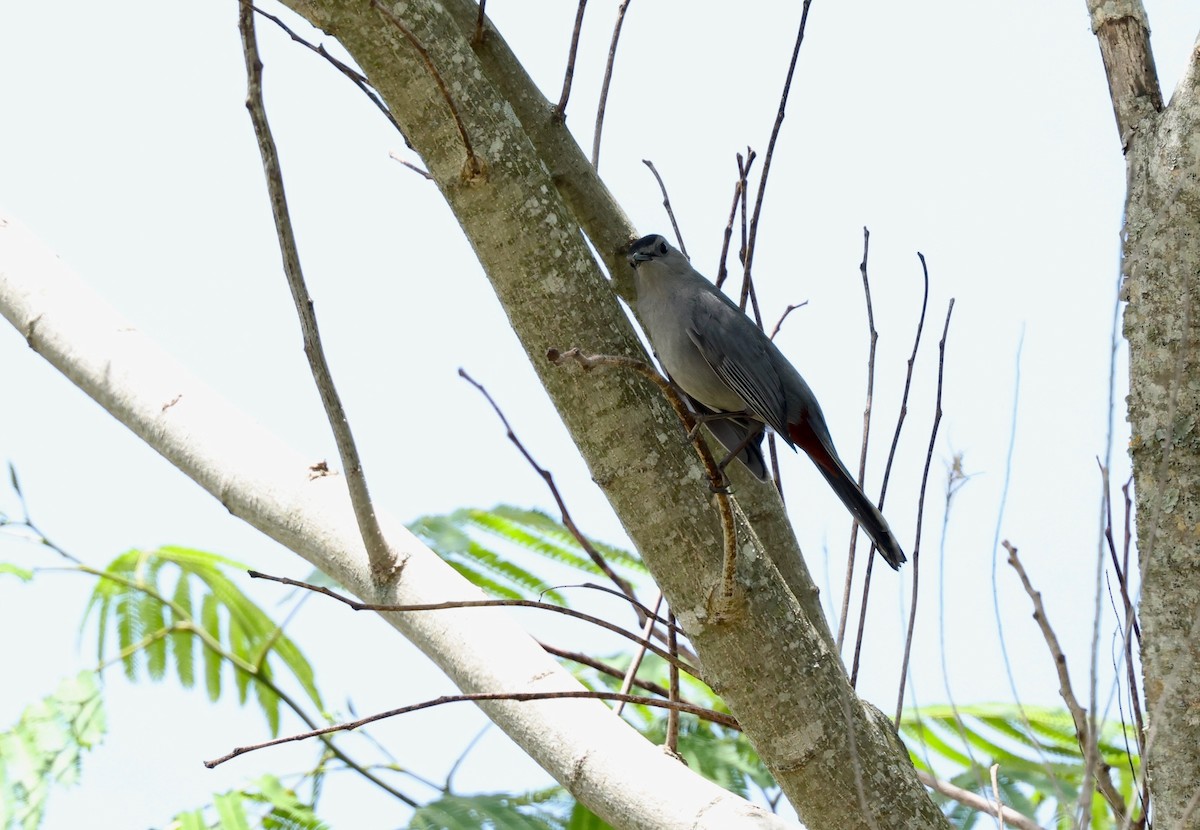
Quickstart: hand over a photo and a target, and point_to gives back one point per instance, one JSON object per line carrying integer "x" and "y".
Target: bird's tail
{"x": 847, "y": 489}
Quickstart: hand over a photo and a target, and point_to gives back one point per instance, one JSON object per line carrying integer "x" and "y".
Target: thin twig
{"x": 999, "y": 805}
{"x": 975, "y": 801}
{"x": 1105, "y": 537}
{"x": 784, "y": 316}
{"x": 1122, "y": 580}
{"x": 462, "y": 756}
{"x": 1129, "y": 620}
{"x": 643, "y": 612}
{"x": 519, "y": 697}
{"x": 710, "y": 715}
{"x": 1043, "y": 757}
{"x": 356, "y": 77}
{"x": 739, "y": 198}
{"x": 716, "y": 477}
{"x": 916, "y": 549}
{"x": 783, "y": 99}
{"x": 1103, "y": 771}
{"x": 955, "y": 479}
{"x": 383, "y": 558}
{"x": 419, "y": 171}
{"x": 474, "y": 168}
{"x": 667, "y": 205}
{"x": 597, "y": 559}
{"x": 1131, "y": 623}
{"x": 887, "y": 468}
{"x": 608, "y": 71}
{"x": 873, "y": 339}
{"x": 560, "y": 111}
{"x": 473, "y": 603}
{"x": 638, "y": 655}
{"x": 672, "y": 742}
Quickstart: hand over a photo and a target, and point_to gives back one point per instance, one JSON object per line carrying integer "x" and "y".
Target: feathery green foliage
{"x": 1041, "y": 766}
{"x": 267, "y": 804}
{"x": 168, "y": 608}
{"x": 46, "y": 747}
{"x": 467, "y": 539}
{"x": 149, "y": 599}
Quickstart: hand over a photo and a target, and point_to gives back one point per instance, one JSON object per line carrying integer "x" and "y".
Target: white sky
{"x": 984, "y": 140}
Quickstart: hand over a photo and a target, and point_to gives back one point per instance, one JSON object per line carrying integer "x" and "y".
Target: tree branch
{"x": 605, "y": 762}
{"x": 1123, "y": 32}
{"x": 383, "y": 559}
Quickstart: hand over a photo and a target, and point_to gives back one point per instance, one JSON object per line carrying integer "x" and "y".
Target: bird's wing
{"x": 737, "y": 351}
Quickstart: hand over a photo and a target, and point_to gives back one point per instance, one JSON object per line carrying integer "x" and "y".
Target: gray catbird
{"x": 727, "y": 366}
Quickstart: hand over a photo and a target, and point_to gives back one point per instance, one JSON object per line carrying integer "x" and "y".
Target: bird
{"x": 738, "y": 379}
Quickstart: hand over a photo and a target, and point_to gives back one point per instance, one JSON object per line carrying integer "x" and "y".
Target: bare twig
{"x": 739, "y": 198}
{"x": 546, "y": 476}
{"x": 667, "y": 205}
{"x": 1086, "y": 745}
{"x": 608, "y": 71}
{"x": 475, "y": 697}
{"x": 418, "y": 170}
{"x": 448, "y": 787}
{"x": 673, "y": 678}
{"x": 1130, "y": 623}
{"x": 872, "y": 340}
{"x": 383, "y": 559}
{"x": 475, "y": 167}
{"x": 710, "y": 715}
{"x": 474, "y": 603}
{"x": 916, "y": 549}
{"x": 560, "y": 111}
{"x": 644, "y": 612}
{"x": 999, "y": 805}
{"x": 975, "y": 801}
{"x": 715, "y": 476}
{"x": 783, "y": 99}
{"x": 1129, "y": 617}
{"x": 638, "y": 655}
{"x": 784, "y": 316}
{"x": 356, "y": 77}
{"x": 887, "y": 468}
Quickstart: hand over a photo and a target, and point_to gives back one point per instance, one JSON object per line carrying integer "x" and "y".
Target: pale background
{"x": 982, "y": 138}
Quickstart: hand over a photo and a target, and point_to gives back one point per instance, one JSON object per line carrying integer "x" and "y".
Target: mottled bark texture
{"x": 1162, "y": 325}
{"x": 526, "y": 214}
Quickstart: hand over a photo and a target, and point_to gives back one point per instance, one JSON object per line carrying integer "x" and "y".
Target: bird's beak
{"x": 638, "y": 257}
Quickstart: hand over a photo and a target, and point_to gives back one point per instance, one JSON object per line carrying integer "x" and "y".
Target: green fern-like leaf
{"x": 1041, "y": 766}
{"x": 486, "y": 546}
{"x": 156, "y": 625}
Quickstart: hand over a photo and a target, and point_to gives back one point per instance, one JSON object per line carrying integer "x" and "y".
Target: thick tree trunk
{"x": 522, "y": 207}
{"x": 1162, "y": 324}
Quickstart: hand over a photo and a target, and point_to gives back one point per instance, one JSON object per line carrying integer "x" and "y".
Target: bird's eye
{"x": 662, "y": 248}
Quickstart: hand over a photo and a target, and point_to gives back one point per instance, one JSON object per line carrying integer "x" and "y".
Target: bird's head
{"x": 650, "y": 248}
